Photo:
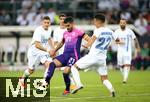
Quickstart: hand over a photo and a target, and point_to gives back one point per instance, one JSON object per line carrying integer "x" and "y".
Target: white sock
{"x": 121, "y": 70}
{"x": 76, "y": 76}
{"x": 108, "y": 85}
{"x": 126, "y": 73}
{"x": 71, "y": 79}
{"x": 45, "y": 73}
{"x": 26, "y": 73}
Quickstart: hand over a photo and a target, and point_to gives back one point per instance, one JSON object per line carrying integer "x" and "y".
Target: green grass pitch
{"x": 136, "y": 90}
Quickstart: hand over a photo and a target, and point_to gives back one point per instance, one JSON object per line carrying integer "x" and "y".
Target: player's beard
{"x": 123, "y": 27}
{"x": 69, "y": 30}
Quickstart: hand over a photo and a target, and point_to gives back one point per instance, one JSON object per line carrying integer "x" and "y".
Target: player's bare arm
{"x": 86, "y": 37}
{"x": 137, "y": 46}
{"x": 58, "y": 46}
{"x": 90, "y": 42}
{"x": 39, "y": 46}
{"x": 51, "y": 43}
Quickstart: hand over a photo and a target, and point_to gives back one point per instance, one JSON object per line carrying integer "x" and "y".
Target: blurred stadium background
{"x": 18, "y": 19}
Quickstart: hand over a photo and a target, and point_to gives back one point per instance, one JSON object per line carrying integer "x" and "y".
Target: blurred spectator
{"x": 4, "y": 18}
{"x": 108, "y": 4}
{"x": 31, "y": 17}
{"x": 51, "y": 13}
{"x": 141, "y": 24}
{"x": 125, "y": 14}
{"x": 39, "y": 16}
{"x": 145, "y": 56}
{"x": 134, "y": 3}
{"x": 124, "y": 4}
{"x": 26, "y": 4}
{"x": 142, "y": 4}
{"x": 36, "y": 5}
{"x": 111, "y": 19}
{"x": 22, "y": 18}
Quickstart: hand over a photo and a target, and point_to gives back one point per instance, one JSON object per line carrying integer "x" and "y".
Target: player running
{"x": 39, "y": 49}
{"x": 57, "y": 37}
{"x": 124, "y": 53}
{"x": 72, "y": 39}
{"x": 99, "y": 44}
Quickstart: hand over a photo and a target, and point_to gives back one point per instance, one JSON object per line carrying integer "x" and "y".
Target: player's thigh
{"x": 45, "y": 59}
{"x": 127, "y": 60}
{"x": 102, "y": 68}
{"x": 67, "y": 69}
{"x": 120, "y": 59}
{"x": 33, "y": 61}
{"x": 85, "y": 62}
{"x": 61, "y": 60}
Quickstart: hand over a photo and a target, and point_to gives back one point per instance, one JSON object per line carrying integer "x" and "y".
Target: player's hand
{"x": 136, "y": 53}
{"x": 52, "y": 53}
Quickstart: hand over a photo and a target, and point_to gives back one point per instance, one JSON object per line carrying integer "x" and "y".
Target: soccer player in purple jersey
{"x": 72, "y": 39}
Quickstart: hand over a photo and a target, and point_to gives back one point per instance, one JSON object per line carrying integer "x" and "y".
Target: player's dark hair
{"x": 69, "y": 19}
{"x": 100, "y": 17}
{"x": 46, "y": 18}
{"x": 123, "y": 19}
{"x": 62, "y": 15}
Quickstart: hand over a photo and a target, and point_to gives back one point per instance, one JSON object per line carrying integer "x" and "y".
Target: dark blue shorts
{"x": 67, "y": 59}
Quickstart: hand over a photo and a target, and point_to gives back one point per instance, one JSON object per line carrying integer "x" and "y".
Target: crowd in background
{"x": 137, "y": 12}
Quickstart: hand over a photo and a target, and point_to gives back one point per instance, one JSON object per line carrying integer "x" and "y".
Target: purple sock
{"x": 50, "y": 72}
{"x": 67, "y": 81}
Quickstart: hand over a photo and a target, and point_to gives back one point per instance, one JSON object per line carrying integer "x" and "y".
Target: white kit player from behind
{"x": 99, "y": 44}
{"x": 124, "y": 54}
{"x": 39, "y": 49}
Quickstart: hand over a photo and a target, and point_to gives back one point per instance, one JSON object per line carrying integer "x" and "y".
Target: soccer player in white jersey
{"x": 57, "y": 38}
{"x": 39, "y": 48}
{"x": 124, "y": 53}
{"x": 59, "y": 31}
{"x": 99, "y": 44}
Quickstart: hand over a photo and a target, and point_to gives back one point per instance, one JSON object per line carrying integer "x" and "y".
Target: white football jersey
{"x": 125, "y": 36}
{"x": 104, "y": 37}
{"x": 41, "y": 35}
{"x": 58, "y": 36}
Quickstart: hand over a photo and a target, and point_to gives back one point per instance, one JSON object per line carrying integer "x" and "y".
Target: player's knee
{"x": 52, "y": 64}
{"x": 46, "y": 64}
{"x": 76, "y": 66}
{"x": 31, "y": 70}
{"x": 104, "y": 77}
{"x": 67, "y": 70}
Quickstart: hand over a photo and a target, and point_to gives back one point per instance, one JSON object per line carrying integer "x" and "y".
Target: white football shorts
{"x": 123, "y": 59}
{"x": 36, "y": 56}
{"x": 93, "y": 62}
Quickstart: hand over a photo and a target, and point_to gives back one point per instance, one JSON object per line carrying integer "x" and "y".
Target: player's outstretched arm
{"x": 90, "y": 42}
{"x": 59, "y": 45}
{"x": 39, "y": 46}
{"x": 51, "y": 43}
{"x": 137, "y": 47}
{"x": 86, "y": 37}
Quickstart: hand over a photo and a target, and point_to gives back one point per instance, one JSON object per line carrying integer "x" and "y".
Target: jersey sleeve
{"x": 114, "y": 35}
{"x": 96, "y": 33}
{"x": 37, "y": 35}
